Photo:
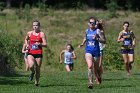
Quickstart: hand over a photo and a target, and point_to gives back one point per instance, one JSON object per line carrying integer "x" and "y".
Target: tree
{"x": 8, "y": 3}
{"x": 91, "y": 3}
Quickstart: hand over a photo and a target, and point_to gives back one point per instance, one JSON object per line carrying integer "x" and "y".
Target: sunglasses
{"x": 92, "y": 23}
{"x": 35, "y": 25}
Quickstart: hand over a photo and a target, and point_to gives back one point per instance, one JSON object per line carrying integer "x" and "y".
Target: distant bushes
{"x": 61, "y": 27}
{"x": 112, "y": 57}
{"x": 112, "y": 8}
{"x": 124, "y": 4}
{"x": 24, "y": 13}
{"x": 10, "y": 53}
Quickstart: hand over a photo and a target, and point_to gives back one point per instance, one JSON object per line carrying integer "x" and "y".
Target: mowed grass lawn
{"x": 73, "y": 82}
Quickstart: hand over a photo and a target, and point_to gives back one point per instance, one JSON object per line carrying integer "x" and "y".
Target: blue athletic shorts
{"x": 127, "y": 51}
{"x": 93, "y": 53}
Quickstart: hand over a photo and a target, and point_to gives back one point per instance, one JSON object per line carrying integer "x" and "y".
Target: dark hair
{"x": 100, "y": 26}
{"x": 92, "y": 18}
{"x": 126, "y": 22}
{"x": 37, "y": 22}
{"x": 70, "y": 46}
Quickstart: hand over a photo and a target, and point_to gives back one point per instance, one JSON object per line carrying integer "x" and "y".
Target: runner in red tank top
{"x": 34, "y": 48}
{"x": 37, "y": 40}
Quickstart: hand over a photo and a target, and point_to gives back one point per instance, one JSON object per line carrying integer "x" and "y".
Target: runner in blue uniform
{"x": 69, "y": 55}
{"x": 92, "y": 51}
{"x": 128, "y": 39}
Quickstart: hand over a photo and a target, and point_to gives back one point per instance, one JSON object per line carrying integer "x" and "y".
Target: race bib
{"x": 34, "y": 47}
{"x": 91, "y": 43}
{"x": 127, "y": 43}
{"x": 68, "y": 59}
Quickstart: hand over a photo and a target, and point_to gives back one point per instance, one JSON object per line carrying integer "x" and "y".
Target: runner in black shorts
{"x": 127, "y": 38}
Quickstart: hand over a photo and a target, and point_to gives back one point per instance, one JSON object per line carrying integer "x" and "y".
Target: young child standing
{"x": 69, "y": 55}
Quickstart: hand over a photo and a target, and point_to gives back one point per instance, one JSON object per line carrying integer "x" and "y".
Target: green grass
{"x": 73, "y": 82}
{"x": 68, "y": 26}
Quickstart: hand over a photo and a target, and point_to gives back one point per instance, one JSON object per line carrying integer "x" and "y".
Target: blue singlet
{"x": 92, "y": 45}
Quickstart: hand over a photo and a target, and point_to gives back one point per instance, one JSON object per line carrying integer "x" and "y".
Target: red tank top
{"x": 34, "y": 48}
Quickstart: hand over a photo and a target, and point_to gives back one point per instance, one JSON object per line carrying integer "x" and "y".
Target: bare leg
{"x": 90, "y": 69}
{"x": 71, "y": 67}
{"x": 67, "y": 68}
{"x": 101, "y": 70}
{"x": 26, "y": 64}
{"x": 100, "y": 63}
{"x": 31, "y": 61}
{"x": 38, "y": 65}
{"x": 125, "y": 58}
{"x": 131, "y": 60}
{"x": 97, "y": 70}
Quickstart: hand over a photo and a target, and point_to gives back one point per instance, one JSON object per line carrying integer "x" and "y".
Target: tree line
{"x": 122, "y": 4}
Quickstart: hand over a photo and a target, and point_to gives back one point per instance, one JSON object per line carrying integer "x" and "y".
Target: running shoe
{"x": 129, "y": 74}
{"x": 98, "y": 80}
{"x": 37, "y": 85}
{"x": 90, "y": 85}
{"x": 31, "y": 76}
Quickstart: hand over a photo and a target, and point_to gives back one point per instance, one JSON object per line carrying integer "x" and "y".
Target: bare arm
{"x": 26, "y": 40}
{"x": 133, "y": 39}
{"x": 83, "y": 42}
{"x": 44, "y": 40}
{"x": 102, "y": 37}
{"x": 120, "y": 38}
{"x": 134, "y": 42}
{"x": 74, "y": 55}
{"x": 61, "y": 54}
{"x": 23, "y": 48}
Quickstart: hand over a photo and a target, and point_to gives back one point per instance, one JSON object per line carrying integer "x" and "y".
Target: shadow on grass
{"x": 15, "y": 79}
{"x": 136, "y": 74}
{"x": 116, "y": 86}
{"x": 100, "y": 87}
{"x": 114, "y": 79}
{"x": 59, "y": 85}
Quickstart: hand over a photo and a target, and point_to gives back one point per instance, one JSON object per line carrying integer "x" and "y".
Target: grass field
{"x": 73, "y": 82}
{"x": 68, "y": 26}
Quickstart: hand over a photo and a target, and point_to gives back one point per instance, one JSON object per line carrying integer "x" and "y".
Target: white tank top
{"x": 67, "y": 56}
{"x": 102, "y": 46}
